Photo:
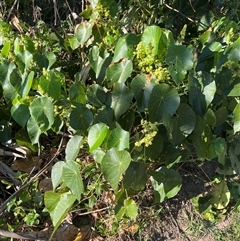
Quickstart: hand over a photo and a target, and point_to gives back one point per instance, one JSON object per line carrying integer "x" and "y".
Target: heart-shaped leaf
{"x": 120, "y": 71}
{"x": 83, "y": 33}
{"x": 164, "y": 101}
{"x": 151, "y": 37}
{"x": 180, "y": 56}
{"x": 125, "y": 47}
{"x": 114, "y": 164}
{"x": 118, "y": 138}
{"x": 41, "y": 109}
{"x": 81, "y": 118}
{"x": 20, "y": 114}
{"x": 121, "y": 99}
{"x": 58, "y": 205}
{"x": 72, "y": 178}
{"x": 142, "y": 89}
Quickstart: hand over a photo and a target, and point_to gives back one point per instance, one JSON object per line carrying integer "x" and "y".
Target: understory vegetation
{"x": 107, "y": 100}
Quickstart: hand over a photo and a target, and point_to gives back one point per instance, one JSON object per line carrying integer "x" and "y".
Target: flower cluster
{"x": 149, "y": 131}
{"x": 149, "y": 63}
{"x": 107, "y": 23}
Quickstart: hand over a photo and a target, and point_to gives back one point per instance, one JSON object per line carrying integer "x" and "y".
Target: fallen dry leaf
{"x": 45, "y": 185}
{"x": 26, "y": 165}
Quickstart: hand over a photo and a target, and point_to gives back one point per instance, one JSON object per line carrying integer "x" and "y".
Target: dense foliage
{"x": 137, "y": 89}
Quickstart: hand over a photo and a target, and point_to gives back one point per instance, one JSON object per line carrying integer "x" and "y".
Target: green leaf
{"x": 166, "y": 182}
{"x": 180, "y": 56}
{"x": 98, "y": 155}
{"x": 96, "y": 95}
{"x": 142, "y": 89}
{"x": 235, "y": 90}
{"x": 5, "y": 49}
{"x": 234, "y": 52}
{"x": 83, "y": 33}
{"x": 73, "y": 148}
{"x": 41, "y": 109}
{"x": 236, "y": 118}
{"x": 41, "y": 61}
{"x": 20, "y": 114}
{"x": 51, "y": 59}
{"x": 164, "y": 101}
{"x": 120, "y": 71}
{"x": 58, "y": 205}
{"x": 25, "y": 57}
{"x": 177, "y": 75}
{"x": 126, "y": 120}
{"x": 81, "y": 118}
{"x": 151, "y": 36}
{"x": 99, "y": 62}
{"x": 131, "y": 209}
{"x": 235, "y": 162}
{"x": 183, "y": 124}
{"x": 106, "y": 116}
{"x": 153, "y": 151}
{"x": 210, "y": 118}
{"x": 220, "y": 195}
{"x": 119, "y": 139}
{"x": 51, "y": 86}
{"x": 221, "y": 115}
{"x": 56, "y": 174}
{"x": 121, "y": 99}
{"x": 77, "y": 94}
{"x": 58, "y": 124}
{"x": 23, "y": 139}
{"x": 220, "y": 147}
{"x": 209, "y": 89}
{"x": 196, "y": 97}
{"x": 136, "y": 176}
{"x": 205, "y": 60}
{"x": 72, "y": 178}
{"x": 73, "y": 41}
{"x": 6, "y": 70}
{"x": 27, "y": 84}
{"x": 125, "y": 47}
{"x": 45, "y": 61}
{"x": 114, "y": 164}
{"x": 22, "y": 82}
{"x": 34, "y": 130}
{"x": 96, "y": 135}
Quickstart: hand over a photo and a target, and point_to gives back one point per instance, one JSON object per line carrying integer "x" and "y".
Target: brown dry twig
{"x": 32, "y": 179}
{"x": 25, "y": 236}
{"x": 177, "y": 11}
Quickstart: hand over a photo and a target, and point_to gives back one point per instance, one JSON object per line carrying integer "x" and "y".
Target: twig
{"x": 11, "y": 9}
{"x": 56, "y": 13}
{"x": 90, "y": 212}
{"x": 25, "y": 236}
{"x": 192, "y": 6}
{"x": 177, "y": 11}
{"x": 175, "y": 222}
{"x": 4, "y": 204}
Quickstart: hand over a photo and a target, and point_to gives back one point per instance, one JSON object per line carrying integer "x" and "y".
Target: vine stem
{"x": 177, "y": 11}
{"x": 3, "y": 206}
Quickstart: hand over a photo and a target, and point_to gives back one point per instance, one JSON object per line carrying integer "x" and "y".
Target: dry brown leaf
{"x": 45, "y": 185}
{"x": 67, "y": 232}
{"x": 15, "y": 23}
{"x": 132, "y": 229}
{"x": 26, "y": 165}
